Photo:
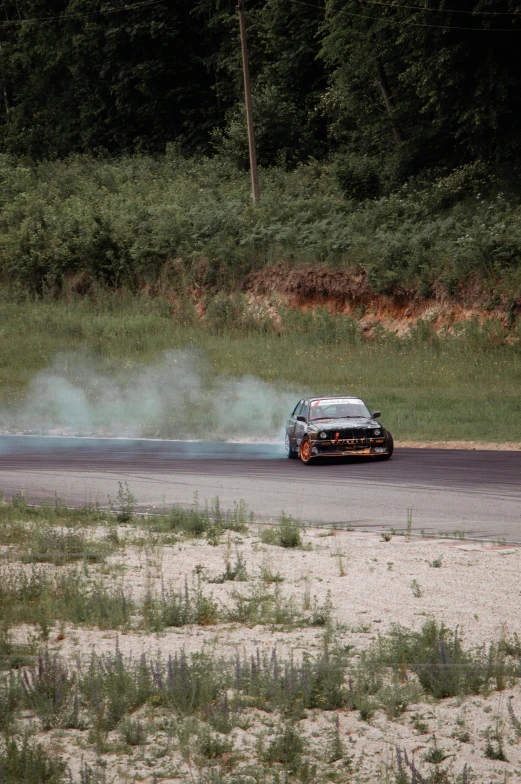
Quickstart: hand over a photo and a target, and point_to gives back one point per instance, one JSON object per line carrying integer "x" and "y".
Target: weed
{"x": 386, "y": 537}
{"x": 516, "y": 724}
{"x": 126, "y": 503}
{"x": 408, "y": 773}
{"x": 237, "y": 572}
{"x": 494, "y": 748}
{"x": 40, "y": 597}
{"x": 197, "y": 520}
{"x": 287, "y": 533}
{"x": 336, "y": 747}
{"x": 271, "y": 684}
{"x": 409, "y": 521}
{"x": 419, "y": 724}
{"x": 286, "y": 748}
{"x": 133, "y": 732}
{"x": 29, "y": 764}
{"x": 175, "y": 608}
{"x": 263, "y": 607}
{"x": 267, "y": 574}
{"x": 222, "y": 714}
{"x": 435, "y": 755}
{"x": 444, "y": 668}
{"x": 339, "y": 555}
{"x": 49, "y": 690}
{"x": 437, "y": 562}
{"x": 416, "y": 589}
{"x": 212, "y": 746}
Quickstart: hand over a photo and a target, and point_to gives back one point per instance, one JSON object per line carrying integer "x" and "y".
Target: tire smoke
{"x": 177, "y": 396}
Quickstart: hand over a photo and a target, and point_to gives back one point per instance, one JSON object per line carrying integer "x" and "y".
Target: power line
{"x": 402, "y": 22}
{"x": 66, "y": 17}
{"x": 443, "y": 10}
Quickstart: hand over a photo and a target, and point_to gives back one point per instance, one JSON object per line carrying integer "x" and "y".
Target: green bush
{"x": 174, "y": 222}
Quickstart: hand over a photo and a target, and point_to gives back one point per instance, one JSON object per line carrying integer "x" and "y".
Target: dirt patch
{"x": 481, "y": 446}
{"x": 350, "y": 294}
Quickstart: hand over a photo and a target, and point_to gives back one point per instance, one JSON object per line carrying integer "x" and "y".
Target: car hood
{"x": 333, "y": 424}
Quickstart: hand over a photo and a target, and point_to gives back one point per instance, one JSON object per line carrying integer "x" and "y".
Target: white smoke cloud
{"x": 174, "y": 397}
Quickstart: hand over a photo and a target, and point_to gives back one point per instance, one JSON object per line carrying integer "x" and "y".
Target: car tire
{"x": 292, "y": 454}
{"x": 305, "y": 451}
{"x": 390, "y": 447}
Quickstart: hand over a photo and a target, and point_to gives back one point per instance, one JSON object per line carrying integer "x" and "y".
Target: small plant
{"x": 409, "y": 521}
{"x": 126, "y": 503}
{"x": 336, "y": 747}
{"x": 416, "y": 589}
{"x": 133, "y": 732}
{"x": 29, "y": 764}
{"x": 386, "y": 536}
{"x": 267, "y": 574}
{"x": 49, "y": 690}
{"x": 286, "y": 748}
{"x": 437, "y": 562}
{"x": 287, "y": 533}
{"x": 213, "y": 747}
{"x": 494, "y": 748}
{"x": 516, "y": 724}
{"x": 237, "y": 572}
{"x": 339, "y": 555}
{"x": 419, "y": 724}
{"x": 435, "y": 755}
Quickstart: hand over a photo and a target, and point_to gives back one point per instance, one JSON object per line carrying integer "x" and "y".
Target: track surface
{"x": 477, "y": 492}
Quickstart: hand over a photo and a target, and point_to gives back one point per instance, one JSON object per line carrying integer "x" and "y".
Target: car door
{"x": 300, "y": 426}
{"x": 292, "y": 423}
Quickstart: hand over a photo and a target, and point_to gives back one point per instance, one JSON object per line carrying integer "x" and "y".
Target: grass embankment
{"x": 428, "y": 388}
{"x": 239, "y": 659}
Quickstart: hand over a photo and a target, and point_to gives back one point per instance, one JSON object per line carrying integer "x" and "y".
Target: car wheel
{"x": 305, "y": 451}
{"x": 390, "y": 447}
{"x": 291, "y": 453}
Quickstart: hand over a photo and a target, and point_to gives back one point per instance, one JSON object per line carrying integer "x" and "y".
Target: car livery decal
{"x": 334, "y": 401}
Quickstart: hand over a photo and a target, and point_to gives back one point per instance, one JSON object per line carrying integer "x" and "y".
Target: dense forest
{"x": 412, "y": 86}
{"x": 369, "y": 95}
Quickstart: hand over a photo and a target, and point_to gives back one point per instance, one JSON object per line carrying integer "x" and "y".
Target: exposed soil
{"x": 350, "y": 294}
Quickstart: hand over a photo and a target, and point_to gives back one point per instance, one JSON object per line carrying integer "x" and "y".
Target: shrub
{"x": 287, "y": 533}
{"x": 29, "y": 764}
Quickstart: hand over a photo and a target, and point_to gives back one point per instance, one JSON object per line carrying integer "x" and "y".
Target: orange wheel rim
{"x": 305, "y": 450}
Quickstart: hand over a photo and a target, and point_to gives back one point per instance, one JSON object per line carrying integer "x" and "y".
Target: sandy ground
{"x": 370, "y": 585}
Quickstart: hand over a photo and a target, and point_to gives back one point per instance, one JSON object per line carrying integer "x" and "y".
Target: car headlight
{"x": 377, "y": 432}
{"x": 323, "y": 435}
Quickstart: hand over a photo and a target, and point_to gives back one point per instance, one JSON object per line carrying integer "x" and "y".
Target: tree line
{"x": 387, "y": 89}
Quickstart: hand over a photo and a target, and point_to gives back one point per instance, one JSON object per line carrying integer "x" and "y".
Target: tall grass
{"x": 428, "y": 388}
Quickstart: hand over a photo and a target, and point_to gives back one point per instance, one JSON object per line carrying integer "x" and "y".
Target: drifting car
{"x": 336, "y": 427}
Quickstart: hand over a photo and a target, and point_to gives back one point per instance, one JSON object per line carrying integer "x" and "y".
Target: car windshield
{"x": 340, "y": 408}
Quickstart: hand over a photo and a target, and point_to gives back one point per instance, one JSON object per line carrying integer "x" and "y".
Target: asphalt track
{"x": 475, "y": 492}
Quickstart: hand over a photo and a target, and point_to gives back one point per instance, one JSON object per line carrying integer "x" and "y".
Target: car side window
{"x": 296, "y": 412}
{"x": 305, "y": 410}
{"x": 299, "y": 409}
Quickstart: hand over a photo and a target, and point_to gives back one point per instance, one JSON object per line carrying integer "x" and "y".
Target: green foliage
{"x": 197, "y": 520}
{"x": 287, "y": 533}
{"x": 286, "y": 749}
{"x": 71, "y": 224}
{"x": 443, "y": 666}
{"x": 28, "y": 763}
{"x": 174, "y": 608}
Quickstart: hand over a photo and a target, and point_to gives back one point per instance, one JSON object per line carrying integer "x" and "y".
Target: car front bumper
{"x": 346, "y": 447}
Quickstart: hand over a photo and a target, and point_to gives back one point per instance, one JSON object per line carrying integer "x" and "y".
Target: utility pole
{"x": 249, "y": 111}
